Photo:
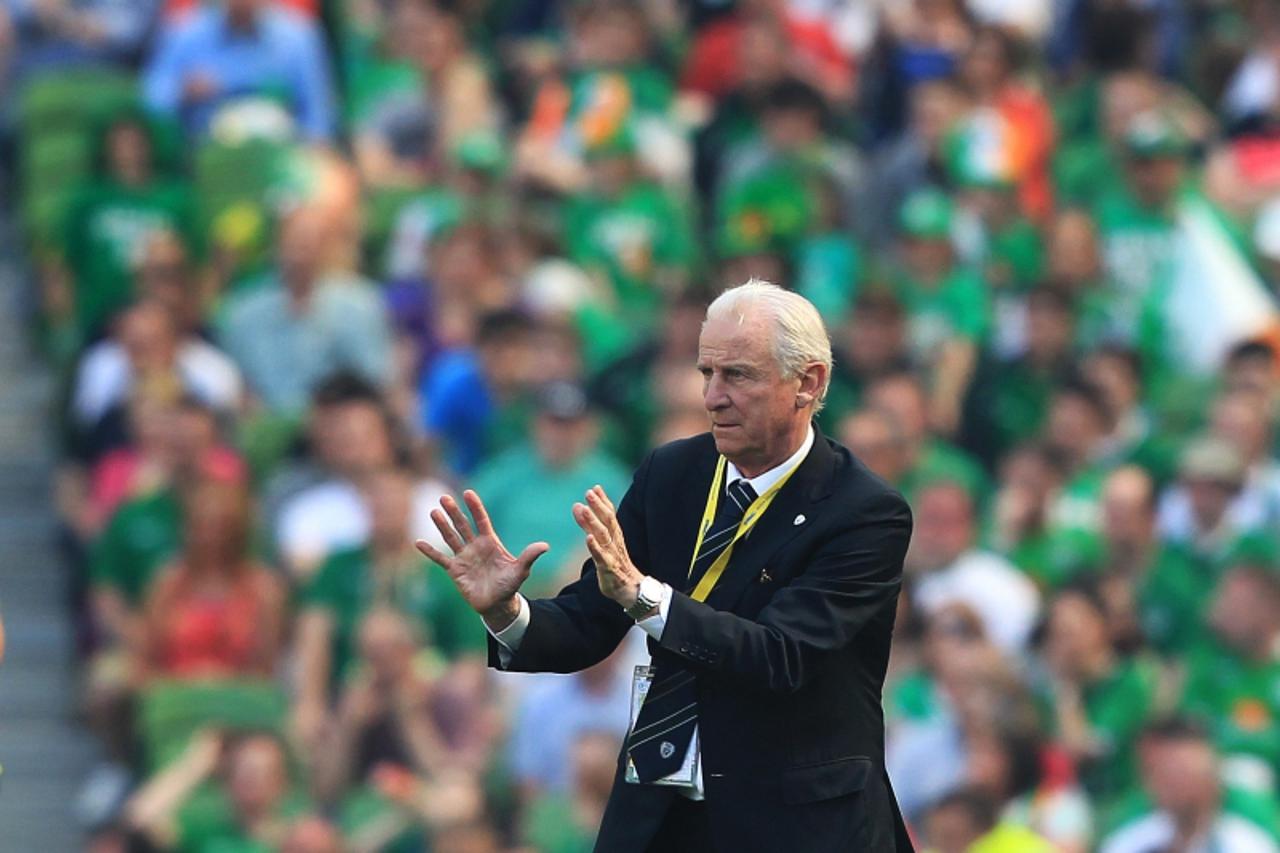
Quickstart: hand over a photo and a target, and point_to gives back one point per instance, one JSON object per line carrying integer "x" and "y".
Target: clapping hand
{"x": 485, "y": 572}
{"x": 618, "y": 577}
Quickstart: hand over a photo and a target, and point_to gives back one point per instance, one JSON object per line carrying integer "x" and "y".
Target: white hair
{"x": 799, "y": 338}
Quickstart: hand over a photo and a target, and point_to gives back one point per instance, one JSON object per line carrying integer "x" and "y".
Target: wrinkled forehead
{"x": 736, "y": 334}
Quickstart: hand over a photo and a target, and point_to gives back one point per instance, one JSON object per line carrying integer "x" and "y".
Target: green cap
{"x": 1153, "y": 134}
{"x": 926, "y": 213}
{"x": 480, "y": 150}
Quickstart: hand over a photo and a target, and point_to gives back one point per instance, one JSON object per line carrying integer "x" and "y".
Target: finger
{"x": 590, "y": 524}
{"x": 483, "y": 525}
{"x": 450, "y": 536}
{"x": 429, "y": 551}
{"x": 599, "y": 489}
{"x": 458, "y": 517}
{"x": 603, "y": 509}
{"x": 531, "y": 553}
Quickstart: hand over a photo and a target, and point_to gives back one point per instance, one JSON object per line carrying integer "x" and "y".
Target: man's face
{"x": 302, "y": 247}
{"x": 149, "y": 338}
{"x": 1154, "y": 179}
{"x": 871, "y": 438}
{"x": 875, "y": 339}
{"x": 1181, "y": 775}
{"x": 1128, "y": 517}
{"x": 258, "y": 777}
{"x": 356, "y": 439}
{"x": 1243, "y": 613}
{"x": 562, "y": 440}
{"x": 390, "y": 500}
{"x": 753, "y": 408}
{"x": 944, "y": 526}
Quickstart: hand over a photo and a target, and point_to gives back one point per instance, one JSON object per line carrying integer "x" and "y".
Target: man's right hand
{"x": 485, "y": 572}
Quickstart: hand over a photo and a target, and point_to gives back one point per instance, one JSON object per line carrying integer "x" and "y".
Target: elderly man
{"x": 769, "y": 619}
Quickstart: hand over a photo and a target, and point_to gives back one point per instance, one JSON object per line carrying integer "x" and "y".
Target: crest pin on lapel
{"x": 799, "y": 520}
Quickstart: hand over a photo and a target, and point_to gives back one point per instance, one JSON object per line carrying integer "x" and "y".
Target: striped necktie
{"x": 664, "y": 727}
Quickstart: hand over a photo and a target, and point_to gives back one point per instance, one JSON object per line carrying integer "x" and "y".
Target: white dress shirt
{"x": 509, "y": 637}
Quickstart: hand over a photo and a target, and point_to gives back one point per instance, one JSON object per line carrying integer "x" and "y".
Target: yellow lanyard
{"x": 749, "y": 519}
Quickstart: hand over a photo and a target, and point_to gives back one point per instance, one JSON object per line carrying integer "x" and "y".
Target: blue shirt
{"x": 457, "y": 408}
{"x": 285, "y": 353}
{"x": 281, "y": 55}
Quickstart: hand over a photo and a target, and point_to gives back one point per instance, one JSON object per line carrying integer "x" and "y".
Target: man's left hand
{"x": 618, "y": 577}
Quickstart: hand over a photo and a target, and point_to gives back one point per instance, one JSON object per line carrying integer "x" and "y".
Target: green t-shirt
{"x": 1173, "y": 595}
{"x": 529, "y": 501}
{"x": 955, "y": 308}
{"x": 1117, "y": 707}
{"x": 107, "y": 230}
{"x": 207, "y": 824}
{"x": 1239, "y": 699}
{"x": 635, "y": 240}
{"x": 1014, "y": 257}
{"x": 142, "y": 535}
{"x": 550, "y": 826}
{"x": 346, "y": 588}
{"x": 1137, "y": 246}
{"x": 914, "y": 696}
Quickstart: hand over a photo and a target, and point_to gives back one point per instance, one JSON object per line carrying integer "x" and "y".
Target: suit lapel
{"x": 810, "y": 483}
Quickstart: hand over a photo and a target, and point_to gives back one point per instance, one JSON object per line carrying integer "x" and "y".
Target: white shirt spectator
{"x": 333, "y": 516}
{"x": 105, "y": 378}
{"x": 1230, "y": 834}
{"x": 999, "y": 594}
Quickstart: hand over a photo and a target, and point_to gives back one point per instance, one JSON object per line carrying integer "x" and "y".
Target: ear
{"x": 812, "y": 380}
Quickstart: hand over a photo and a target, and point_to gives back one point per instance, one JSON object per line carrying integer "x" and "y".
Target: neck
{"x": 751, "y": 468}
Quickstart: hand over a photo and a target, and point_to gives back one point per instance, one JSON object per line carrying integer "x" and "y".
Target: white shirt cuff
{"x": 509, "y": 637}
{"x": 654, "y": 624}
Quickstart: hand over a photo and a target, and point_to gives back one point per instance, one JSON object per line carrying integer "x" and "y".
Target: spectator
{"x": 215, "y": 612}
{"x": 966, "y": 821}
{"x": 70, "y": 33}
{"x": 870, "y": 343}
{"x": 946, "y": 304}
{"x": 553, "y": 717}
{"x": 1209, "y": 510}
{"x": 1018, "y": 519}
{"x": 236, "y": 50}
{"x": 1034, "y": 782}
{"x": 566, "y": 822}
{"x": 1184, "y": 803}
{"x": 1157, "y": 592}
{"x": 148, "y": 349}
{"x": 250, "y": 802}
{"x": 129, "y": 198}
{"x": 470, "y": 390}
{"x": 1228, "y": 687}
{"x": 385, "y": 736}
{"x": 530, "y": 485}
{"x": 306, "y": 323}
{"x": 357, "y": 440}
{"x": 385, "y": 572}
{"x": 950, "y": 569}
{"x": 902, "y": 394}
{"x": 1100, "y": 700}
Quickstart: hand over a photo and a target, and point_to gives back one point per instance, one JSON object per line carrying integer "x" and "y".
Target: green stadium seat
{"x": 172, "y": 711}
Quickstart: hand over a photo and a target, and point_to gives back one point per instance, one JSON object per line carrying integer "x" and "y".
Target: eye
{"x": 705, "y": 371}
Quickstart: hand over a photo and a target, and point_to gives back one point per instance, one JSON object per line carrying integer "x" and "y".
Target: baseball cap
{"x": 562, "y": 400}
{"x": 926, "y": 213}
{"x": 1152, "y": 134}
{"x": 1212, "y": 459}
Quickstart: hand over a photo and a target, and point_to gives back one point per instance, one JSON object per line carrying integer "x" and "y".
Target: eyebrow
{"x": 740, "y": 365}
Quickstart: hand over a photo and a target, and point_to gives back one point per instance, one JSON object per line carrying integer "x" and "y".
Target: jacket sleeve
{"x": 580, "y": 626}
{"x": 851, "y": 579}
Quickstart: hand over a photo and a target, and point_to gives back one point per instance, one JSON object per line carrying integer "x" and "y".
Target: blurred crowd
{"x": 304, "y": 266}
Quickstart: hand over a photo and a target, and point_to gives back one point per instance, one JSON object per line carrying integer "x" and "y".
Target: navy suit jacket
{"x": 789, "y": 651}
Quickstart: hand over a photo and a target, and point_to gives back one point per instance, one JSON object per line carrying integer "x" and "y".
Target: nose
{"x": 714, "y": 396}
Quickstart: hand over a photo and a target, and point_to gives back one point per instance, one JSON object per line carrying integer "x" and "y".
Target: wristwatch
{"x": 647, "y": 600}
